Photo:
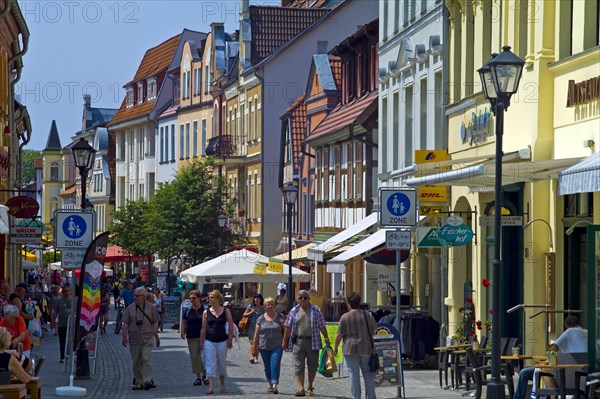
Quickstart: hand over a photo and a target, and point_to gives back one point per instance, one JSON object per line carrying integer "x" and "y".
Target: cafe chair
{"x": 443, "y": 365}
{"x": 483, "y": 342}
{"x": 479, "y": 374}
{"x": 457, "y": 367}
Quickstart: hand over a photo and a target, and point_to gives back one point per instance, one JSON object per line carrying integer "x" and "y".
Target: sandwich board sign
{"x": 398, "y": 207}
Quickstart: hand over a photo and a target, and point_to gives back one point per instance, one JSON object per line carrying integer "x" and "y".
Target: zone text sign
{"x": 74, "y": 229}
{"x": 398, "y": 207}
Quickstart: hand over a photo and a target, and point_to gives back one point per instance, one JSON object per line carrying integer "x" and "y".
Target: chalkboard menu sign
{"x": 171, "y": 316}
{"x": 390, "y": 372}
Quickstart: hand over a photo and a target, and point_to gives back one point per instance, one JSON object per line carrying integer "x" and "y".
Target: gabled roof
{"x": 344, "y": 115}
{"x": 328, "y": 68}
{"x": 297, "y": 112}
{"x": 53, "y": 142}
{"x": 155, "y": 61}
{"x": 272, "y": 27}
{"x": 96, "y": 117}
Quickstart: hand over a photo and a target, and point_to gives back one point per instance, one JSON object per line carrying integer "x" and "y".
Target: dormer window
{"x": 140, "y": 93}
{"x": 129, "y": 97}
{"x": 152, "y": 88}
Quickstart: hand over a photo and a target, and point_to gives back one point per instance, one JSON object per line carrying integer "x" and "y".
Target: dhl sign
{"x": 431, "y": 193}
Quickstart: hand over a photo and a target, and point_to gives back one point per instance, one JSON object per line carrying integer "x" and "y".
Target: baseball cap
{"x": 22, "y": 285}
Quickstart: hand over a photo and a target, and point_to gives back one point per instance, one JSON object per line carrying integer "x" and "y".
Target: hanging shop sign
{"x": 23, "y": 207}
{"x": 456, "y": 235}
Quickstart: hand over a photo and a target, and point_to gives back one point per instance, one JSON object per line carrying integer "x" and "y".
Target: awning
{"x": 337, "y": 264}
{"x": 514, "y": 170}
{"x": 297, "y": 254}
{"x": 583, "y": 177}
{"x": 316, "y": 253}
{"x": 115, "y": 253}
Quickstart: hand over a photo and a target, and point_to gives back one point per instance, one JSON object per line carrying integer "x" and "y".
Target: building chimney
{"x": 87, "y": 100}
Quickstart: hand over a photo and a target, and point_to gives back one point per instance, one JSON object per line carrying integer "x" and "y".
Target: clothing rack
{"x": 333, "y": 309}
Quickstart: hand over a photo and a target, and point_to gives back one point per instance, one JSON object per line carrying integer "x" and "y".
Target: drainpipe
{"x": 14, "y": 139}
{"x": 444, "y": 250}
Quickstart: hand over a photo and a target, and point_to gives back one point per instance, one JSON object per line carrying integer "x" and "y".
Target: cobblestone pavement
{"x": 173, "y": 376}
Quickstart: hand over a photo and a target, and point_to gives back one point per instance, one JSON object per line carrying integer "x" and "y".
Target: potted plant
{"x": 552, "y": 355}
{"x": 516, "y": 350}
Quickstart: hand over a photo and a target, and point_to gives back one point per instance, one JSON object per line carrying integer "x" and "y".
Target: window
{"x": 129, "y": 97}
{"x": 152, "y": 88}
{"x": 250, "y": 116}
{"x": 326, "y": 174}
{"x": 337, "y": 171}
{"x": 359, "y": 170}
{"x": 162, "y": 145}
{"x": 197, "y": 81}
{"x": 256, "y": 190}
{"x": 408, "y": 126}
{"x": 350, "y": 171}
{"x": 195, "y": 139}
{"x": 173, "y": 143}
{"x": 203, "y": 137}
{"x": 187, "y": 140}
{"x": 256, "y": 132}
{"x": 54, "y": 171}
{"x": 235, "y": 126}
{"x": 177, "y": 85}
{"x": 206, "y": 79}
{"x": 181, "y": 141}
{"x": 242, "y": 124}
{"x": 140, "y": 92}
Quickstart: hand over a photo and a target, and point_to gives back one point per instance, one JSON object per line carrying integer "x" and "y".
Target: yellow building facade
{"x": 541, "y": 138}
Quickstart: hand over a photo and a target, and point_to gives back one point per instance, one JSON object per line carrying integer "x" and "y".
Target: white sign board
{"x": 397, "y": 240}
{"x": 505, "y": 220}
{"x": 398, "y": 208}
{"x": 74, "y": 229}
{"x": 72, "y": 258}
{"x": 25, "y": 235}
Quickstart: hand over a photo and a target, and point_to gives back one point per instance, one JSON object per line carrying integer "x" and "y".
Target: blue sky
{"x": 94, "y": 47}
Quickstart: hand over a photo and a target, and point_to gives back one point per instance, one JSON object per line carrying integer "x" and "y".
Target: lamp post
{"x": 290, "y": 194}
{"x": 221, "y": 219}
{"x": 83, "y": 153}
{"x": 500, "y": 79}
{"x": 84, "y": 159}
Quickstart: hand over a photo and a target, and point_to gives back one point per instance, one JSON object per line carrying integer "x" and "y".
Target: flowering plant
{"x": 466, "y": 327}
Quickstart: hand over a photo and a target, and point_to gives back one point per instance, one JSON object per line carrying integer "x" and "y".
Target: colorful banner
{"x": 275, "y": 267}
{"x": 260, "y": 268}
{"x": 88, "y": 290}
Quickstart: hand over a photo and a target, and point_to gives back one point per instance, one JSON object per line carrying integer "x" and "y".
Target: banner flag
{"x": 88, "y": 290}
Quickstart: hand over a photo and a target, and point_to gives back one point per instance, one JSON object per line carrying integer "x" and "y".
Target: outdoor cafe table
{"x": 451, "y": 347}
{"x": 521, "y": 358}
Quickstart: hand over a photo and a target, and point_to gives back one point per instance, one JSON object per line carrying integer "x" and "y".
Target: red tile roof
{"x": 155, "y": 61}
{"x": 274, "y": 26}
{"x": 344, "y": 115}
{"x": 298, "y": 121}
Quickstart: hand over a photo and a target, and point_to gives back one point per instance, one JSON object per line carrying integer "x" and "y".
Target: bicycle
{"x": 119, "y": 320}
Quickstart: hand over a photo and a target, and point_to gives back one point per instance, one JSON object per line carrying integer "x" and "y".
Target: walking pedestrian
{"x": 17, "y": 298}
{"x": 216, "y": 340}
{"x": 356, "y": 329}
{"x": 253, "y": 312}
{"x": 140, "y": 323}
{"x": 159, "y": 305}
{"x": 302, "y": 327}
{"x": 267, "y": 337}
{"x": 61, "y": 310}
{"x": 127, "y": 294}
{"x": 104, "y": 308}
{"x": 281, "y": 302}
{"x": 191, "y": 326}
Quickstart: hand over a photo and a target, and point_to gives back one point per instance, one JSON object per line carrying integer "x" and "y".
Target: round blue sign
{"x": 398, "y": 204}
{"x": 74, "y": 226}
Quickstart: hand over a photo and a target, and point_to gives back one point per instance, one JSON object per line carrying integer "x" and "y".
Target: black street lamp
{"x": 290, "y": 194}
{"x": 84, "y": 159}
{"x": 500, "y": 79}
{"x": 221, "y": 219}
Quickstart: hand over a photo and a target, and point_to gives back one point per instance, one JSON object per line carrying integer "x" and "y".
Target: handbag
{"x": 244, "y": 322}
{"x": 374, "y": 358}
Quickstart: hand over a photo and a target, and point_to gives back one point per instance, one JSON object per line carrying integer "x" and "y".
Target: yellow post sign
{"x": 276, "y": 267}
{"x": 260, "y": 268}
{"x": 431, "y": 193}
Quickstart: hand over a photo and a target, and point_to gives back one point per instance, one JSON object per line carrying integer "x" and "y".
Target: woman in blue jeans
{"x": 267, "y": 338}
{"x": 355, "y": 329}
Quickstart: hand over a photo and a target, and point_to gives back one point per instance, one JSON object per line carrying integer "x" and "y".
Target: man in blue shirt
{"x": 127, "y": 294}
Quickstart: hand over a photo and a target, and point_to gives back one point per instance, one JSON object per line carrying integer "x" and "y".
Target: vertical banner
{"x": 88, "y": 298}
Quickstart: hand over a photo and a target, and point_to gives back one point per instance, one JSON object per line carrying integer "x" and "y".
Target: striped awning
{"x": 583, "y": 177}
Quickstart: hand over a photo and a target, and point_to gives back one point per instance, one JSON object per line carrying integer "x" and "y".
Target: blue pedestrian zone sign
{"x": 74, "y": 226}
{"x": 398, "y": 207}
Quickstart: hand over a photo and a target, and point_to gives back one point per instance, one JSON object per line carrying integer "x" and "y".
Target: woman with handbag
{"x": 253, "y": 312}
{"x": 356, "y": 329}
{"x": 267, "y": 338}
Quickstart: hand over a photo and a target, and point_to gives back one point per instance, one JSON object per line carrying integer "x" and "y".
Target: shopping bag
{"x": 243, "y": 324}
{"x": 323, "y": 363}
{"x": 35, "y": 328}
{"x": 330, "y": 364}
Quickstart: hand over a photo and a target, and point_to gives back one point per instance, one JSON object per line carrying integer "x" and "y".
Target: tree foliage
{"x": 180, "y": 220}
{"x": 27, "y": 160}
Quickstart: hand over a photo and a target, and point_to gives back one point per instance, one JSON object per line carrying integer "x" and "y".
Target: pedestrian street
{"x": 174, "y": 378}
